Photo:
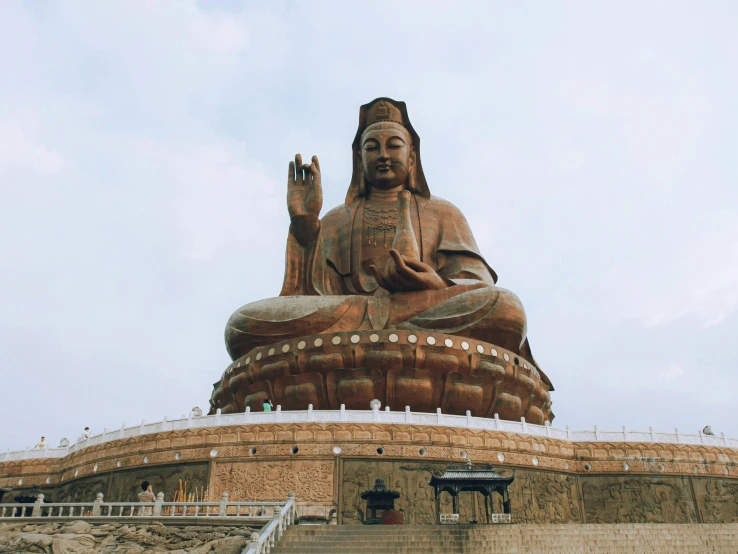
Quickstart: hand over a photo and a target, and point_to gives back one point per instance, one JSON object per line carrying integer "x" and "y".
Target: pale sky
{"x": 143, "y": 159}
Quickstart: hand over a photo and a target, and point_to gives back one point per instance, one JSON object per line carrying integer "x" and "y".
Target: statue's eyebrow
{"x": 367, "y": 139}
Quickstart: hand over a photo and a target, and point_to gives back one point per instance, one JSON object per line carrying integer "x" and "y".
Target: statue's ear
{"x": 412, "y": 177}
{"x": 362, "y": 182}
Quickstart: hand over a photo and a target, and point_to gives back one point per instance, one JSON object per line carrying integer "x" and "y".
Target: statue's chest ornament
{"x": 382, "y": 222}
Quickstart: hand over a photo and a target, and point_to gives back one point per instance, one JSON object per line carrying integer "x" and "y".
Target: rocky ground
{"x": 79, "y": 537}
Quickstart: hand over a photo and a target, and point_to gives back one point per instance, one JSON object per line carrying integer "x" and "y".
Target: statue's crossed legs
{"x": 477, "y": 311}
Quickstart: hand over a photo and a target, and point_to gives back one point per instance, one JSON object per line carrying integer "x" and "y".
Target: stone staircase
{"x": 519, "y": 539}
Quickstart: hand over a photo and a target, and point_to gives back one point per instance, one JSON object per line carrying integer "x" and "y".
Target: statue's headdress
{"x": 377, "y": 111}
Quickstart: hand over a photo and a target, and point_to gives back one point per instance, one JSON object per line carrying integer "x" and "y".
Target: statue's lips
{"x": 384, "y": 168}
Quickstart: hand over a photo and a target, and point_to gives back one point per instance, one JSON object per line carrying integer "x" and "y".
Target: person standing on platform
{"x": 146, "y": 496}
{"x": 268, "y": 406}
{"x": 41, "y": 444}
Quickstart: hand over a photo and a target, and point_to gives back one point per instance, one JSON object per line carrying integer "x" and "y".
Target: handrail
{"x": 264, "y": 541}
{"x": 246, "y": 511}
{"x": 375, "y": 417}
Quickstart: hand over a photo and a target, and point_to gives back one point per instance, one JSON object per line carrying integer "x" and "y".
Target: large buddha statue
{"x": 386, "y": 296}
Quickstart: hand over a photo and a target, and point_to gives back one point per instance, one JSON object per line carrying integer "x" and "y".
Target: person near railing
{"x": 147, "y": 495}
{"x": 268, "y": 406}
{"x": 86, "y": 433}
{"x": 41, "y": 444}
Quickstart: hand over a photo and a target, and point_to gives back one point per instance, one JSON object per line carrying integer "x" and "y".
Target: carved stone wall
{"x": 310, "y": 480}
{"x": 544, "y": 497}
{"x": 717, "y": 499}
{"x": 83, "y": 490}
{"x": 638, "y": 499}
{"x": 537, "y": 497}
{"x": 327, "y": 465}
{"x": 125, "y": 485}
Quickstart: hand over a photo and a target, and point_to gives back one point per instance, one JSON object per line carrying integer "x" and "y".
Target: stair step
{"x": 513, "y": 539}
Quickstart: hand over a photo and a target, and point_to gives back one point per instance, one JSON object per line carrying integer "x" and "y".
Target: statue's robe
{"x": 327, "y": 287}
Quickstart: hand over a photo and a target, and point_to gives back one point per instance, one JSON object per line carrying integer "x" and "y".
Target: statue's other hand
{"x": 304, "y": 198}
{"x": 407, "y": 274}
{"x": 304, "y": 193}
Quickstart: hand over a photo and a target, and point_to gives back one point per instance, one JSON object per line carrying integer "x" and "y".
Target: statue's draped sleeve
{"x": 307, "y": 271}
{"x": 457, "y": 257}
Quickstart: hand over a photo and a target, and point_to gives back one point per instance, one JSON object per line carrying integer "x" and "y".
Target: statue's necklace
{"x": 380, "y": 221}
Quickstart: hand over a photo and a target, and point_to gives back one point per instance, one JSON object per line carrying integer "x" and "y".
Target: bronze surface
{"x": 392, "y": 257}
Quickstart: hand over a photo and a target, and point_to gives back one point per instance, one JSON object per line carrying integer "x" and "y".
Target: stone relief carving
{"x": 82, "y": 490}
{"x": 126, "y": 485}
{"x": 536, "y": 497}
{"x": 717, "y": 499}
{"x": 309, "y": 480}
{"x": 638, "y": 500}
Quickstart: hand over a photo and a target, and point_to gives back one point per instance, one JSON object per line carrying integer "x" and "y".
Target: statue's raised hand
{"x": 304, "y": 198}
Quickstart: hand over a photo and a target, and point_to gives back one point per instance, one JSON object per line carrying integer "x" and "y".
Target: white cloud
{"x": 672, "y": 372}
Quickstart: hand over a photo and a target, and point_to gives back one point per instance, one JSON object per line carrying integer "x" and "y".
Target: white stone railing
{"x": 264, "y": 541}
{"x": 375, "y": 417}
{"x": 159, "y": 510}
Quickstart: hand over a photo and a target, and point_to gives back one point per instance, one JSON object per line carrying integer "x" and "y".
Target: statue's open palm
{"x": 304, "y": 193}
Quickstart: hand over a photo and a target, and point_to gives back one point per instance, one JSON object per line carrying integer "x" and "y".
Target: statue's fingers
{"x": 291, "y": 175}
{"x": 315, "y": 170}
{"x": 402, "y": 277}
{"x": 400, "y": 263}
{"x": 378, "y": 277}
{"x": 316, "y": 162}
{"x": 307, "y": 175}
{"x": 392, "y": 277}
{"x": 417, "y": 265}
{"x": 298, "y": 167}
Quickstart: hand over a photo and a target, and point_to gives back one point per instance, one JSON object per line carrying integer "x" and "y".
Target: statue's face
{"x": 387, "y": 155}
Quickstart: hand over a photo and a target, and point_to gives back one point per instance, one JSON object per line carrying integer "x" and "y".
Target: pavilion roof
{"x": 471, "y": 474}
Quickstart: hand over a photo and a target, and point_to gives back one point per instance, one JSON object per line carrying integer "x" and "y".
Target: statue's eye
{"x": 370, "y": 146}
{"x": 395, "y": 144}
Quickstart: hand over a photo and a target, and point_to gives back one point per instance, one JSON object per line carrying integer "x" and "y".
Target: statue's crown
{"x": 384, "y": 111}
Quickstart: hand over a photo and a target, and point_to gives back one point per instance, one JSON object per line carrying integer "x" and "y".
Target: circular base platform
{"x": 424, "y": 371}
